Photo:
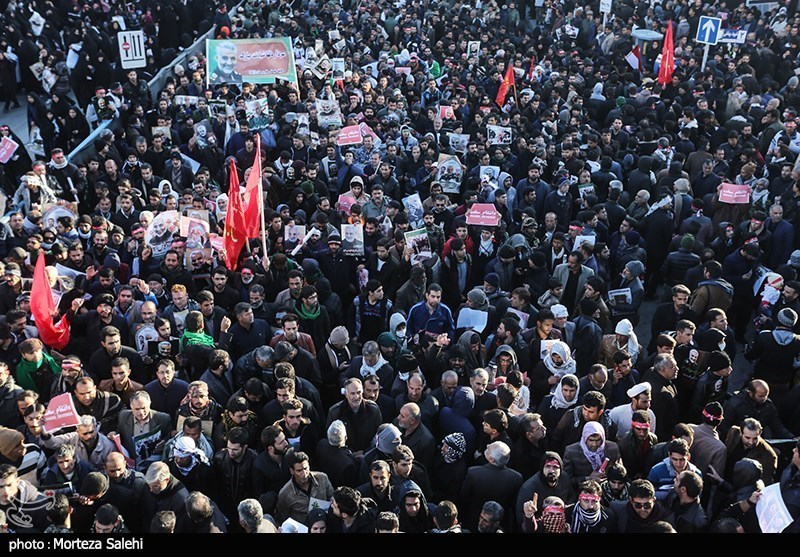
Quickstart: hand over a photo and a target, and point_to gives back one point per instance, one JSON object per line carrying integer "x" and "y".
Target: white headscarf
{"x": 567, "y": 365}
{"x": 559, "y": 401}
{"x": 221, "y": 214}
{"x": 625, "y": 327}
{"x": 595, "y": 458}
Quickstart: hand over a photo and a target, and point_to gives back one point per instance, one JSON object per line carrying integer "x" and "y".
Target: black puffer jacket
{"x": 677, "y": 263}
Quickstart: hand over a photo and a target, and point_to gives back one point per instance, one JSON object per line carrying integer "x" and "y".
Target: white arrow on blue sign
{"x": 708, "y": 30}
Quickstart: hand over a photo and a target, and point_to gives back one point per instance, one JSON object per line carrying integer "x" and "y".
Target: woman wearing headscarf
{"x": 475, "y": 351}
{"x": 624, "y": 339}
{"x": 555, "y": 405}
{"x": 545, "y": 376}
{"x": 190, "y": 465}
{"x": 586, "y": 459}
{"x": 17, "y": 165}
{"x": 221, "y": 207}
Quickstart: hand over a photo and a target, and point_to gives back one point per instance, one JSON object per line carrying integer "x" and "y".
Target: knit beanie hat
{"x": 9, "y": 440}
{"x": 787, "y": 317}
{"x": 718, "y": 360}
{"x": 339, "y": 335}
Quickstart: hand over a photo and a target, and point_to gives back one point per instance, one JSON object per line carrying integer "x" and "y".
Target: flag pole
{"x": 261, "y": 201}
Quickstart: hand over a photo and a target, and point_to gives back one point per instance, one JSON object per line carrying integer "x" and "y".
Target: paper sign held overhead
{"x": 734, "y": 194}
{"x": 350, "y": 135}
{"x": 60, "y": 413}
{"x": 483, "y": 214}
{"x": 132, "y": 51}
{"x": 7, "y": 149}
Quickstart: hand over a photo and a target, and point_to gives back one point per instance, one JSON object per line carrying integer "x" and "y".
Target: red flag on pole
{"x": 667, "y": 58}
{"x": 54, "y": 335}
{"x": 235, "y": 235}
{"x": 530, "y": 69}
{"x": 252, "y": 195}
{"x": 505, "y": 87}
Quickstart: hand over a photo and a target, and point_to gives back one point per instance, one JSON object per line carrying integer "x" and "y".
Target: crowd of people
{"x": 384, "y": 358}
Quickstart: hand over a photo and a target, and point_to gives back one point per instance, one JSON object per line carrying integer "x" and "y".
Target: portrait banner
{"x": 251, "y": 60}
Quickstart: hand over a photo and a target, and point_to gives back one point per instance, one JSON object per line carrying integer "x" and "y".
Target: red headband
{"x": 640, "y": 425}
{"x": 553, "y": 509}
{"x": 711, "y": 416}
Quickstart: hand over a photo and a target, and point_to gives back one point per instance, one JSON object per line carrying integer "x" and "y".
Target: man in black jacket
{"x": 667, "y": 315}
{"x": 665, "y": 402}
{"x": 349, "y": 513}
{"x": 588, "y": 335}
{"x": 233, "y": 471}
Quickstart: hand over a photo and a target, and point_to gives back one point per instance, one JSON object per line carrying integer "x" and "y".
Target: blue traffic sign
{"x": 709, "y": 30}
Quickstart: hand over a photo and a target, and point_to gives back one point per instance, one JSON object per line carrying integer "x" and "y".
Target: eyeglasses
{"x": 639, "y": 506}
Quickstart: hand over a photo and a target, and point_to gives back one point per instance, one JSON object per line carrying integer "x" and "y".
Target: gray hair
{"x": 337, "y": 433}
{"x": 251, "y": 513}
{"x": 681, "y": 185}
{"x": 449, "y": 374}
{"x": 480, "y": 371}
{"x": 499, "y": 452}
{"x": 265, "y": 353}
{"x": 141, "y": 395}
{"x": 65, "y": 451}
{"x": 370, "y": 348}
{"x": 88, "y": 420}
{"x": 158, "y": 472}
{"x": 662, "y": 361}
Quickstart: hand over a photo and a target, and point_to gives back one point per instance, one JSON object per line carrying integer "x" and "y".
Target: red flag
{"x": 530, "y": 69}
{"x": 252, "y": 195}
{"x": 634, "y": 59}
{"x": 508, "y": 83}
{"x": 667, "y": 58}
{"x": 235, "y": 235}
{"x": 54, "y": 335}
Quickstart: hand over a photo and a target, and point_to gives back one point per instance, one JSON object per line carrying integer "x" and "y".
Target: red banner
{"x": 7, "y": 149}
{"x": 734, "y": 194}
{"x": 483, "y": 214}
{"x": 60, "y": 413}
{"x": 350, "y": 135}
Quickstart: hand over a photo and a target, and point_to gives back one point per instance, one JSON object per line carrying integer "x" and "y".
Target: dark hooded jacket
{"x": 419, "y": 524}
{"x": 538, "y": 484}
{"x": 455, "y": 418}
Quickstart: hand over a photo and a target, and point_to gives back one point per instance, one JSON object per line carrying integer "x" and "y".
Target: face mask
{"x": 47, "y": 245}
{"x": 400, "y": 333}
